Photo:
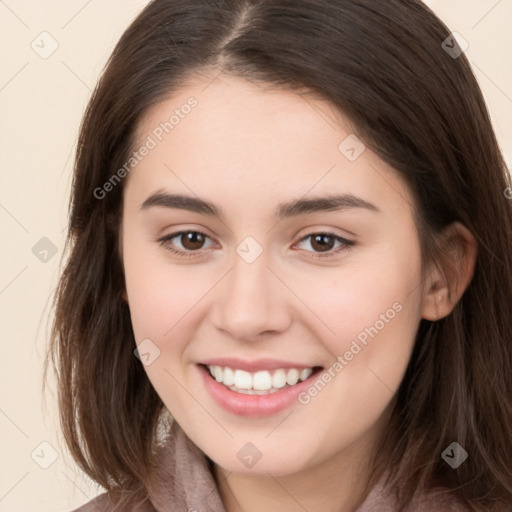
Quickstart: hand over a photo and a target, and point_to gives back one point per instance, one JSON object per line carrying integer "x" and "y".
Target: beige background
{"x": 42, "y": 101}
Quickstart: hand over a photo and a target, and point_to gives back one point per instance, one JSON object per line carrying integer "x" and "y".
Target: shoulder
{"x": 439, "y": 499}
{"x": 384, "y": 498}
{"x": 103, "y": 503}
{"x": 99, "y": 504}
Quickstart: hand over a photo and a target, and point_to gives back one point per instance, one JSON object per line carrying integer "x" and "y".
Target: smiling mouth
{"x": 261, "y": 382}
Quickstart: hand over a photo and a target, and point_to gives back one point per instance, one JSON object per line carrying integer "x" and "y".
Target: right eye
{"x": 190, "y": 240}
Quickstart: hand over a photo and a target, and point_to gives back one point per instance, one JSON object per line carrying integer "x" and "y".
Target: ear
{"x": 449, "y": 279}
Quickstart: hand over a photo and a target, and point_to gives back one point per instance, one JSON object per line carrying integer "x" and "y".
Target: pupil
{"x": 321, "y": 240}
{"x": 195, "y": 239}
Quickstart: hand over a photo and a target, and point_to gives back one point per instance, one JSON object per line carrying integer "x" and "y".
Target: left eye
{"x": 324, "y": 241}
{"x": 192, "y": 242}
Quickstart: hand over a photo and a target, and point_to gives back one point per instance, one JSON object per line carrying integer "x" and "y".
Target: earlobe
{"x": 451, "y": 277}
{"x": 436, "y": 304}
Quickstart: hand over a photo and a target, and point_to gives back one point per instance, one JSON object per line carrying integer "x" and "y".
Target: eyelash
{"x": 346, "y": 244}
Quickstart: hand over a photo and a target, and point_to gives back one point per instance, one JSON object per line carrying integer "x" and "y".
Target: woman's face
{"x": 308, "y": 258}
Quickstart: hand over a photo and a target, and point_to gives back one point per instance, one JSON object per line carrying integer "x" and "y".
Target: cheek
{"x": 369, "y": 318}
{"x": 164, "y": 300}
{"x": 161, "y": 298}
{"x": 377, "y": 291}
{"x": 158, "y": 292}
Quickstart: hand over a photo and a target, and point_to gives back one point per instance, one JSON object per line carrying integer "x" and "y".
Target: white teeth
{"x": 260, "y": 391}
{"x": 258, "y": 383}
{"x": 304, "y": 374}
{"x": 262, "y": 381}
{"x": 229, "y": 377}
{"x": 243, "y": 379}
{"x": 279, "y": 379}
{"x": 292, "y": 377}
{"x": 218, "y": 373}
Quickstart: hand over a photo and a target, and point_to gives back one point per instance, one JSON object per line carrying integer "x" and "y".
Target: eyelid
{"x": 166, "y": 238}
{"x": 346, "y": 244}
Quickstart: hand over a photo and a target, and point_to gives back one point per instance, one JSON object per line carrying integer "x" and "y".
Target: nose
{"x": 252, "y": 302}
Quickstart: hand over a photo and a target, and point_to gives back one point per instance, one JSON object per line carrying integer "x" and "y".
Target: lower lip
{"x": 253, "y": 405}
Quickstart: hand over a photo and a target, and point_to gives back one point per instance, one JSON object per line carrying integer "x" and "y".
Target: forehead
{"x": 230, "y": 137}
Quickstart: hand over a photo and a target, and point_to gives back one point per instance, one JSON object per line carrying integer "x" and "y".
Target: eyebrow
{"x": 296, "y": 207}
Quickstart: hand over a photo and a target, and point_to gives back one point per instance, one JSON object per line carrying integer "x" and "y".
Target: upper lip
{"x": 254, "y": 365}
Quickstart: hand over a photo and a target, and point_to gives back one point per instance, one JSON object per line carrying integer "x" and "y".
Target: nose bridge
{"x": 250, "y": 300}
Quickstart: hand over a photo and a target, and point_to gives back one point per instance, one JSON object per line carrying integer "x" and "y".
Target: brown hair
{"x": 383, "y": 66}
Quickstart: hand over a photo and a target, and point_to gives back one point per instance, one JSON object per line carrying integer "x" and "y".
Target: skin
{"x": 247, "y": 149}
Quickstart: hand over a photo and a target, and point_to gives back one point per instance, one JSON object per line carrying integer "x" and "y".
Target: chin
{"x": 248, "y": 460}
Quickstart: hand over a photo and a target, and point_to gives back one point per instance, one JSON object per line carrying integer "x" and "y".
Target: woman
{"x": 289, "y": 282}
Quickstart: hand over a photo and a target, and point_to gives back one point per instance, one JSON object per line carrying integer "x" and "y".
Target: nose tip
{"x": 250, "y": 303}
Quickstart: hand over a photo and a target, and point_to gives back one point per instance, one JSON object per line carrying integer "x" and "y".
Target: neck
{"x": 339, "y": 484}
